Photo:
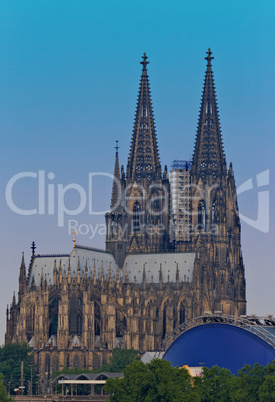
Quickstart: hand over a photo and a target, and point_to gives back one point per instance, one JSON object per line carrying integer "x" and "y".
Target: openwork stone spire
{"x": 143, "y": 161}
{"x": 208, "y": 158}
{"x": 116, "y": 191}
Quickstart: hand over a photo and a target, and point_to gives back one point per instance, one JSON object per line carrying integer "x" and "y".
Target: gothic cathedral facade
{"x": 73, "y": 309}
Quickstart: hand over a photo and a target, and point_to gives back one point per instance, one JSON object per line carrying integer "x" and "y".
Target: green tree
{"x": 247, "y": 383}
{"x": 3, "y": 392}
{"x": 154, "y": 381}
{"x": 11, "y": 356}
{"x": 267, "y": 389}
{"x": 119, "y": 360}
{"x": 214, "y": 385}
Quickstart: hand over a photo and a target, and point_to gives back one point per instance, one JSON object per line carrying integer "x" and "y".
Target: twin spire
{"x": 208, "y": 158}
{"x": 143, "y": 162}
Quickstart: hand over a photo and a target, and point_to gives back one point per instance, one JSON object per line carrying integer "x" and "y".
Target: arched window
{"x": 97, "y": 319}
{"x": 55, "y": 364}
{"x": 213, "y": 212}
{"x": 68, "y": 361}
{"x": 76, "y": 362}
{"x": 136, "y": 217}
{"x": 201, "y": 215}
{"x": 182, "y": 313}
{"x": 53, "y": 326}
{"x": 47, "y": 372}
{"x": 73, "y": 314}
{"x": 164, "y": 321}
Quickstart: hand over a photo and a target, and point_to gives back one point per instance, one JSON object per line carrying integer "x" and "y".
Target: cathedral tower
{"x": 139, "y": 217}
{"x": 215, "y": 223}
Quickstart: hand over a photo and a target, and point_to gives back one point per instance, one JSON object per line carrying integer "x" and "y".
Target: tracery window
{"x": 201, "y": 215}
{"x": 182, "y": 313}
{"x": 136, "y": 216}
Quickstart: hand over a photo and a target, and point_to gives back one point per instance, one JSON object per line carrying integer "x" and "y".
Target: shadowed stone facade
{"x": 73, "y": 309}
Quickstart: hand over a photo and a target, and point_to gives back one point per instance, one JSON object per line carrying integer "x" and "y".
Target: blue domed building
{"x": 223, "y": 340}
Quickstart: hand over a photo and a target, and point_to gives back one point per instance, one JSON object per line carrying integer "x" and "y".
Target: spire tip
{"x": 116, "y": 147}
{"x": 208, "y": 58}
{"x": 144, "y": 61}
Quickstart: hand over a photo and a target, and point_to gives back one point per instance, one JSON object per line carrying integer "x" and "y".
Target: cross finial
{"x": 144, "y": 61}
{"x": 74, "y": 233}
{"x": 116, "y": 147}
{"x": 33, "y": 247}
{"x": 209, "y": 57}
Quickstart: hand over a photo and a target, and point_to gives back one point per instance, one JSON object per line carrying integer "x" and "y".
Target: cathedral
{"x": 161, "y": 266}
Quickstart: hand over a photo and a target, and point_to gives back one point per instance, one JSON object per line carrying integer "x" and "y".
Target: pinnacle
{"x": 143, "y": 162}
{"x": 144, "y": 61}
{"x": 208, "y": 58}
{"x": 208, "y": 157}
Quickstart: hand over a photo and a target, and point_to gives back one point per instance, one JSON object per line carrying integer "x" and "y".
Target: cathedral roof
{"x": 43, "y": 265}
{"x": 167, "y": 263}
{"x": 103, "y": 261}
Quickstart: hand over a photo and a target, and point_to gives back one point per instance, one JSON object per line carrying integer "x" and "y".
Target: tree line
{"x": 150, "y": 382}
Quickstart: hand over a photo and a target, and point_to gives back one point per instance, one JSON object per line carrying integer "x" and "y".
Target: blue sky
{"x": 69, "y": 76}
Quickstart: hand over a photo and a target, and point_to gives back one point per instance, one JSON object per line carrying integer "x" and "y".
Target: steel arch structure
{"x": 253, "y": 324}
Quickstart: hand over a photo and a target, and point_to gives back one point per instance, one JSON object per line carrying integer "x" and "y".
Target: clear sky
{"x": 69, "y": 76}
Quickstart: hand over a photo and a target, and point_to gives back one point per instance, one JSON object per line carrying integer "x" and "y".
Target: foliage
{"x": 214, "y": 385}
{"x": 119, "y": 360}
{"x": 11, "y": 356}
{"x": 154, "y": 381}
{"x": 3, "y": 392}
{"x": 159, "y": 381}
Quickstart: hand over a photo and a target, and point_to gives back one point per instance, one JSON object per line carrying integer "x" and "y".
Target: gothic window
{"x": 55, "y": 364}
{"x": 201, "y": 215}
{"x": 68, "y": 361}
{"x": 76, "y": 362}
{"x": 140, "y": 149}
{"x": 213, "y": 212}
{"x": 182, "y": 313}
{"x": 121, "y": 324}
{"x": 148, "y": 157}
{"x": 136, "y": 216}
{"x": 148, "y": 142}
{"x": 140, "y": 143}
{"x": 139, "y": 167}
{"x": 148, "y": 149}
{"x": 96, "y": 360}
{"x": 149, "y": 167}
{"x": 97, "y": 320}
{"x": 141, "y": 136}
{"x": 75, "y": 321}
{"x": 164, "y": 321}
{"x": 53, "y": 326}
{"x": 47, "y": 370}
